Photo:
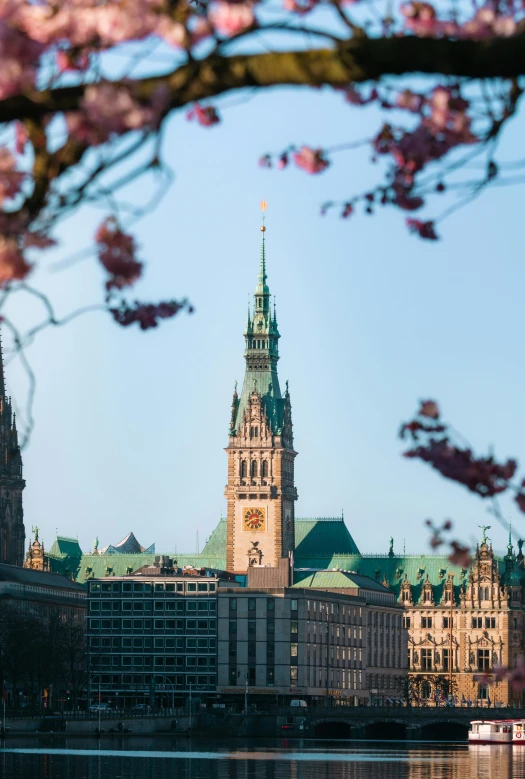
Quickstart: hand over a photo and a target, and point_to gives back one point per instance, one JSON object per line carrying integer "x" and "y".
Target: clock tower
{"x": 260, "y": 490}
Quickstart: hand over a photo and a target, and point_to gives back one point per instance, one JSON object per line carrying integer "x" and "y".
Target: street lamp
{"x": 171, "y": 683}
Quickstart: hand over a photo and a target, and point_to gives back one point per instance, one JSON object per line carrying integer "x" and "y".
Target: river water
{"x": 167, "y": 758}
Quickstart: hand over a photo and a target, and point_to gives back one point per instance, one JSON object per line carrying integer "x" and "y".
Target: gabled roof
{"x": 328, "y": 580}
{"x": 65, "y": 547}
{"x": 318, "y": 538}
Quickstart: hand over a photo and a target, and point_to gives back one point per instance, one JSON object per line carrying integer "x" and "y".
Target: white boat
{"x": 492, "y": 732}
{"x": 518, "y": 731}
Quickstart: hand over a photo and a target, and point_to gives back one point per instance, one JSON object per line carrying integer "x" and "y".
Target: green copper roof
{"x": 66, "y": 547}
{"x": 324, "y": 580}
{"x": 322, "y": 538}
{"x": 262, "y": 287}
{"x": 215, "y": 545}
{"x": 261, "y": 354}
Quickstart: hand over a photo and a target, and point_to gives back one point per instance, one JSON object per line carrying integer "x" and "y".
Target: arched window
{"x": 254, "y": 469}
{"x": 244, "y": 469}
{"x": 487, "y": 596}
{"x": 257, "y": 432}
{"x": 264, "y": 472}
{"x": 426, "y": 691}
{"x": 427, "y": 596}
{"x": 483, "y": 692}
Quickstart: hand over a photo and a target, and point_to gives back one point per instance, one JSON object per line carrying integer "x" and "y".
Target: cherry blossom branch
{"x": 436, "y": 443}
{"x": 354, "y": 61}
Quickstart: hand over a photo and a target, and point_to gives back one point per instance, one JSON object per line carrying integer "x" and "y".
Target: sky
{"x": 130, "y": 427}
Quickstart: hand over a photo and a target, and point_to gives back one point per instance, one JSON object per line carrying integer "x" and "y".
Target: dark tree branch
{"x": 356, "y": 60}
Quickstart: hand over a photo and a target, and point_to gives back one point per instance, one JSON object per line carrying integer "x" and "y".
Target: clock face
{"x": 254, "y": 519}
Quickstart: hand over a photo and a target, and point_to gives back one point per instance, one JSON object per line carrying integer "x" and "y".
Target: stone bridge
{"x": 443, "y": 723}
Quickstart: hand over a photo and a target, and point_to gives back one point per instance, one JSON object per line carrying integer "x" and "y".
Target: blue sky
{"x": 131, "y": 426}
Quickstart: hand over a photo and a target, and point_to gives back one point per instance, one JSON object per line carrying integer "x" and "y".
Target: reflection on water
{"x": 150, "y": 758}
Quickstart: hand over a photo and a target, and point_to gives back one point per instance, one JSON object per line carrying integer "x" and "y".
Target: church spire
{"x": 12, "y": 535}
{"x": 262, "y": 287}
{"x": 261, "y": 352}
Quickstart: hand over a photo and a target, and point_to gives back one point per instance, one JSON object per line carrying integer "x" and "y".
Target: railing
{"x": 94, "y": 715}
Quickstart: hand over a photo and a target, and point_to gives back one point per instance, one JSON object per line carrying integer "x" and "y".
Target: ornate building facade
{"x": 260, "y": 491}
{"x": 12, "y": 534}
{"x": 459, "y": 632}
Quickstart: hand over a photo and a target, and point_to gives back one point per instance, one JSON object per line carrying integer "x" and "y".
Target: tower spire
{"x": 262, "y": 287}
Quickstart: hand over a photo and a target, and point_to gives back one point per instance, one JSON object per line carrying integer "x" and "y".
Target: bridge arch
{"x": 332, "y": 728}
{"x": 445, "y": 730}
{"x": 386, "y": 730}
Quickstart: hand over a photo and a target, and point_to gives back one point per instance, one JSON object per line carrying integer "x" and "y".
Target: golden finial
{"x": 264, "y": 206}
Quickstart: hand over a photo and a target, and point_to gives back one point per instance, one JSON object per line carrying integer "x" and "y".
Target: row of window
{"x": 252, "y": 605}
{"x": 143, "y": 681}
{"x": 477, "y": 623}
{"x": 175, "y": 625}
{"x": 253, "y": 466}
{"x": 177, "y": 606}
{"x": 336, "y": 679}
{"x": 380, "y": 619}
{"x": 146, "y": 661}
{"x": 257, "y": 343}
{"x": 314, "y": 629}
{"x": 334, "y": 608}
{"x": 147, "y": 588}
{"x": 336, "y": 655}
{"x": 179, "y": 644}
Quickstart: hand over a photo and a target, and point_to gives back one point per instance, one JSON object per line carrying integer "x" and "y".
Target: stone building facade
{"x": 460, "y": 632}
{"x": 314, "y": 642}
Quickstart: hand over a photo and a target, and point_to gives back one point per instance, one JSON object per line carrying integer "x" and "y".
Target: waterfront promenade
{"x": 412, "y": 723}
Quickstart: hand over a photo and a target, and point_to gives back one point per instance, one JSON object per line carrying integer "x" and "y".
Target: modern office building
{"x": 324, "y": 637}
{"x": 152, "y": 636}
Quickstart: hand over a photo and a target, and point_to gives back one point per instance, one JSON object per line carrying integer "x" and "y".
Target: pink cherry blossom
{"x": 68, "y": 60}
{"x": 231, "y": 18}
{"x": 299, "y": 6}
{"x": 206, "y": 116}
{"x": 311, "y": 160}
{"x": 111, "y": 109}
{"x": 147, "y": 315}
{"x": 10, "y": 179}
{"x": 21, "y": 137}
{"x": 19, "y": 61}
{"x": 36, "y": 240}
{"x": 170, "y": 31}
{"x": 116, "y": 252}
{"x": 410, "y": 101}
{"x": 12, "y": 263}
{"x": 423, "y": 229}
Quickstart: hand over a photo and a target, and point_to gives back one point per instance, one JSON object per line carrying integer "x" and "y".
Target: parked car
{"x": 144, "y": 707}
{"x": 99, "y": 707}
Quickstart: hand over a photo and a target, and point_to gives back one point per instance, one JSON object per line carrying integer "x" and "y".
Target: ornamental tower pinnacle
{"x": 12, "y": 534}
{"x": 260, "y": 490}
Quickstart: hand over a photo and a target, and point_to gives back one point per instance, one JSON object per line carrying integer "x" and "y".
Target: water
{"x": 167, "y": 758}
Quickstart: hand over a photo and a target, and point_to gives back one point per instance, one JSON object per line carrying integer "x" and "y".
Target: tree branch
{"x": 356, "y": 60}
